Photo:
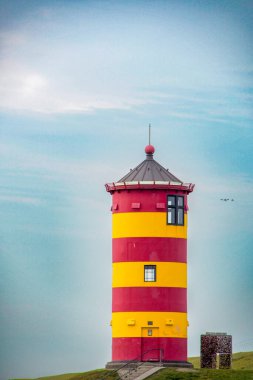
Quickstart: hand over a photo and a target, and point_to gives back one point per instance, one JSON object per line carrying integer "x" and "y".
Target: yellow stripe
{"x": 145, "y": 224}
{"x": 135, "y": 324}
{"x": 130, "y": 274}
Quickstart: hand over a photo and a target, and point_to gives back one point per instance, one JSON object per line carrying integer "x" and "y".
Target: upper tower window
{"x": 175, "y": 214}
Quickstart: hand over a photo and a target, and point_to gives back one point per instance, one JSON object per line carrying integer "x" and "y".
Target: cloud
{"x": 10, "y": 40}
{"x": 23, "y": 200}
{"x": 23, "y": 89}
{"x": 26, "y": 89}
{"x": 51, "y": 65}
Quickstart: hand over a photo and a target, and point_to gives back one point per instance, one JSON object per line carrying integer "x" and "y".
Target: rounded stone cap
{"x": 149, "y": 149}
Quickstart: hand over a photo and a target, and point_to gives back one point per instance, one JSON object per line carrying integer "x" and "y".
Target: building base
{"x": 133, "y": 364}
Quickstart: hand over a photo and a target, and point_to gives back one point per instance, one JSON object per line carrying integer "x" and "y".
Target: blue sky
{"x": 80, "y": 82}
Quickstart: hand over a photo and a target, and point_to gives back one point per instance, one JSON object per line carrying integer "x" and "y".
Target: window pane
{"x": 149, "y": 273}
{"x": 180, "y": 201}
{"x": 171, "y": 201}
{"x": 171, "y": 216}
{"x": 180, "y": 216}
{"x": 149, "y": 332}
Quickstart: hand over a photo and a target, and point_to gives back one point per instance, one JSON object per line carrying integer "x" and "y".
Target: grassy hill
{"x": 202, "y": 374}
{"x": 241, "y": 360}
{"x": 242, "y": 369}
{"x": 90, "y": 375}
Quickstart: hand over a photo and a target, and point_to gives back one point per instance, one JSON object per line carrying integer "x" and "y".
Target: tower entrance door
{"x": 150, "y": 344}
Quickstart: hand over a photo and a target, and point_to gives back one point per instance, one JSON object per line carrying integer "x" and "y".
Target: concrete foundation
{"x": 130, "y": 364}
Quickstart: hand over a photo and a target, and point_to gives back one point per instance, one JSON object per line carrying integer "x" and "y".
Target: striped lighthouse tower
{"x": 149, "y": 254}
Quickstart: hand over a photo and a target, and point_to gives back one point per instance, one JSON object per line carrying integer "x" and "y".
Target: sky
{"x": 80, "y": 83}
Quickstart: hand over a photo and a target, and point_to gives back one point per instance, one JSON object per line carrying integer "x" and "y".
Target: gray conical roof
{"x": 149, "y": 170}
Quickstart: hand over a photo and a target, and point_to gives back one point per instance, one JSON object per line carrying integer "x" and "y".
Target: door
{"x": 150, "y": 344}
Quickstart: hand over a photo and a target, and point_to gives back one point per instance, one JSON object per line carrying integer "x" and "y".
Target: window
{"x": 175, "y": 213}
{"x": 150, "y": 332}
{"x": 149, "y": 273}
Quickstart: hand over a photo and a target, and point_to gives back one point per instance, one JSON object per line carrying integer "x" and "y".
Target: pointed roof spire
{"x": 149, "y": 149}
{"x": 149, "y": 169}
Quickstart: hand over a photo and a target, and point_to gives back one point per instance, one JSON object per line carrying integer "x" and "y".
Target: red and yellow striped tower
{"x": 149, "y": 254}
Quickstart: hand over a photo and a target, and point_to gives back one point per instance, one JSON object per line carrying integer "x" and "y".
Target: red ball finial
{"x": 149, "y": 149}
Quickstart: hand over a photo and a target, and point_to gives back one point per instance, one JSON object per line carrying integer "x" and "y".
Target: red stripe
{"x": 149, "y": 299}
{"x": 149, "y": 249}
{"x": 150, "y": 200}
{"x": 174, "y": 349}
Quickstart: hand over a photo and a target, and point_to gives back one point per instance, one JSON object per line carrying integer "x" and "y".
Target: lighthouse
{"x": 149, "y": 265}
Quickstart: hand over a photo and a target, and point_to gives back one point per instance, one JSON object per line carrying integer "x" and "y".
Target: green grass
{"x": 242, "y": 369}
{"x": 241, "y": 360}
{"x": 91, "y": 375}
{"x": 164, "y": 374}
{"x": 203, "y": 374}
